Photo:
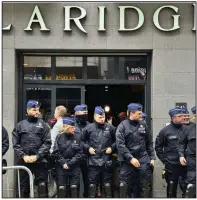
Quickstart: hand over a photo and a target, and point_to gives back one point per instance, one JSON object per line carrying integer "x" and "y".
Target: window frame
{"x": 81, "y": 82}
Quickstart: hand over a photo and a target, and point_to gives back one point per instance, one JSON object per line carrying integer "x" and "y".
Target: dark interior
{"x": 117, "y": 97}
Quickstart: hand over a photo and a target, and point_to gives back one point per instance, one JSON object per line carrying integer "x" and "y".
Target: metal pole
{"x": 30, "y": 177}
{"x": 8, "y": 188}
{"x": 19, "y": 187}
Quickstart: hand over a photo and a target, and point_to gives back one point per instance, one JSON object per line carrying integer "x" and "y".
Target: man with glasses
{"x": 31, "y": 143}
{"x": 166, "y": 147}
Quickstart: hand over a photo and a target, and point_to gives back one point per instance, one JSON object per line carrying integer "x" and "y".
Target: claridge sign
{"x": 37, "y": 17}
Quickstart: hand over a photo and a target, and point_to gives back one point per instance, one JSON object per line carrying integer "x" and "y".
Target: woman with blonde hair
{"x": 68, "y": 155}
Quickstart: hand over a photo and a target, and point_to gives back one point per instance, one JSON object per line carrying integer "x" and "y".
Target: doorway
{"x": 117, "y": 97}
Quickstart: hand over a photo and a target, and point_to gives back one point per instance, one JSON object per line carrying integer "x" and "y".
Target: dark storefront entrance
{"x": 105, "y": 80}
{"x": 116, "y": 97}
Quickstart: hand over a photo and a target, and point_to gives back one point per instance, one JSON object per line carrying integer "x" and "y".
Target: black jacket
{"x": 79, "y": 127}
{"x": 187, "y": 141}
{"x": 166, "y": 144}
{"x": 68, "y": 150}
{"x": 133, "y": 139}
{"x": 32, "y": 137}
{"x": 5, "y": 141}
{"x": 99, "y": 138}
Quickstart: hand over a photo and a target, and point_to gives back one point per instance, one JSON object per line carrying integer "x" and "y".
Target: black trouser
{"x": 84, "y": 171}
{"x": 95, "y": 172}
{"x": 173, "y": 172}
{"x": 68, "y": 178}
{"x": 103, "y": 175}
{"x": 40, "y": 170}
{"x": 191, "y": 176}
{"x": 131, "y": 176}
{"x": 115, "y": 177}
{"x": 191, "y": 170}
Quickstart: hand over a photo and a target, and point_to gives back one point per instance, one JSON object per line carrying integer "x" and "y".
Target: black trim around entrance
{"x": 82, "y": 82}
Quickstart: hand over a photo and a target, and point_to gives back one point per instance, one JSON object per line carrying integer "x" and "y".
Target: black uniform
{"x": 5, "y": 141}
{"x": 84, "y": 163}
{"x": 166, "y": 147}
{"x": 68, "y": 150}
{"x": 187, "y": 149}
{"x": 99, "y": 137}
{"x": 133, "y": 139}
{"x": 32, "y": 137}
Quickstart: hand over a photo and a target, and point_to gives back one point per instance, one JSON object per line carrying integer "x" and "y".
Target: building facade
{"x": 147, "y": 47}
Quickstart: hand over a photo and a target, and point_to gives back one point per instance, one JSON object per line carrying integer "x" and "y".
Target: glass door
{"x": 52, "y": 96}
{"x": 43, "y": 94}
{"x": 69, "y": 96}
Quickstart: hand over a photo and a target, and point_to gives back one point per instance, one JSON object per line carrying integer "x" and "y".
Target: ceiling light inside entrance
{"x": 107, "y": 108}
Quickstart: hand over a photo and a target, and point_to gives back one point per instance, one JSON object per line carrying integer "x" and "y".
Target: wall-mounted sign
{"x": 135, "y": 73}
{"x": 181, "y": 105}
{"x": 37, "y": 17}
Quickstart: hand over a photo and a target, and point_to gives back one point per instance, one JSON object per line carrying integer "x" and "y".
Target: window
{"x": 69, "y": 68}
{"x": 37, "y": 67}
{"x": 135, "y": 68}
{"x": 43, "y": 95}
{"x": 100, "y": 68}
{"x": 68, "y": 97}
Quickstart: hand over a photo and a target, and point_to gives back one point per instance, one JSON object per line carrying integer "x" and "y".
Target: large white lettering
{"x": 176, "y": 18}
{"x": 36, "y": 12}
{"x": 7, "y": 28}
{"x": 101, "y": 18}
{"x": 122, "y": 18}
{"x": 76, "y": 20}
{"x": 194, "y": 28}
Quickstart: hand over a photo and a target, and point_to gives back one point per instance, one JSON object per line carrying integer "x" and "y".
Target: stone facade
{"x": 173, "y": 53}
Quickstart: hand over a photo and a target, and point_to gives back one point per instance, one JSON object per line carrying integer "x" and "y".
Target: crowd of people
{"x": 120, "y": 160}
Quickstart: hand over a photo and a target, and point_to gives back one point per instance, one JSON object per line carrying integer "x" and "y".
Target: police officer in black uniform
{"x": 187, "y": 122}
{"x": 136, "y": 187}
{"x": 5, "y": 141}
{"x": 186, "y": 117}
{"x": 144, "y": 116}
{"x": 99, "y": 138}
{"x": 135, "y": 152}
{"x": 81, "y": 116}
{"x": 31, "y": 143}
{"x": 5, "y": 146}
{"x": 68, "y": 154}
{"x": 187, "y": 141}
{"x": 166, "y": 147}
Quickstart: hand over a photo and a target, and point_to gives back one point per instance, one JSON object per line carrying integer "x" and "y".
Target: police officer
{"x": 144, "y": 116}
{"x": 187, "y": 122}
{"x": 5, "y": 146}
{"x": 68, "y": 155}
{"x": 136, "y": 186}
{"x": 194, "y": 114}
{"x": 186, "y": 116}
{"x": 187, "y": 141}
{"x": 81, "y": 116}
{"x": 99, "y": 138}
{"x": 135, "y": 152}
{"x": 31, "y": 143}
{"x": 166, "y": 147}
{"x": 5, "y": 141}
